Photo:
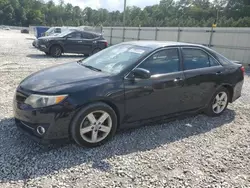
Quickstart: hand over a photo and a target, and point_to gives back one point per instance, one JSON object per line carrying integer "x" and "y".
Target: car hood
{"x": 60, "y": 75}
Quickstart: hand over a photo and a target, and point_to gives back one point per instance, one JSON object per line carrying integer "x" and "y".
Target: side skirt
{"x": 160, "y": 120}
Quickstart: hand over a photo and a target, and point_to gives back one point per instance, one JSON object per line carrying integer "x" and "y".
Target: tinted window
{"x": 75, "y": 35}
{"x": 164, "y": 61}
{"x": 195, "y": 59}
{"x": 213, "y": 62}
{"x": 87, "y": 36}
{"x": 223, "y": 60}
{"x": 58, "y": 30}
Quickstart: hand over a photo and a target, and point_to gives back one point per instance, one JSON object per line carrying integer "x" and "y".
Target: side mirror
{"x": 141, "y": 73}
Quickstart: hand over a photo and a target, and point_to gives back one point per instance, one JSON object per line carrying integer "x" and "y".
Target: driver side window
{"x": 75, "y": 36}
{"x": 162, "y": 62}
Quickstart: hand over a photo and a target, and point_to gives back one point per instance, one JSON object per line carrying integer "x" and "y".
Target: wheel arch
{"x": 230, "y": 90}
{"x": 96, "y": 48}
{"x": 228, "y": 87}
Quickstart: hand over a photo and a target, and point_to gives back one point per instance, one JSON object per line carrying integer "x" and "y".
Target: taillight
{"x": 106, "y": 44}
{"x": 242, "y": 68}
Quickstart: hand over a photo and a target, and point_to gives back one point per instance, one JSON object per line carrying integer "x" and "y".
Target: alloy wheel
{"x": 96, "y": 126}
{"x": 58, "y": 52}
{"x": 220, "y": 102}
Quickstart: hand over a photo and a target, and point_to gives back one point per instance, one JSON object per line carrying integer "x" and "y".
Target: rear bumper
{"x": 237, "y": 90}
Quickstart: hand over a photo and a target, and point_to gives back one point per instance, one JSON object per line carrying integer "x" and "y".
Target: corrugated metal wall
{"x": 234, "y": 43}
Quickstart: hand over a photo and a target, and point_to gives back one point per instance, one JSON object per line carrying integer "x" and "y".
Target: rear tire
{"x": 96, "y": 50}
{"x": 218, "y": 103}
{"x": 89, "y": 129}
{"x": 47, "y": 53}
{"x": 56, "y": 51}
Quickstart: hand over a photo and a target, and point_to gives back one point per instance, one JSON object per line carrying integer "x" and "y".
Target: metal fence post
{"x": 179, "y": 34}
{"x": 211, "y": 37}
{"x": 123, "y": 38}
{"x": 111, "y": 33}
{"x": 139, "y": 32}
{"x": 156, "y": 33}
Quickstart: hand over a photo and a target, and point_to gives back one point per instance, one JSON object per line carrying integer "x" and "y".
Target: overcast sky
{"x": 110, "y": 4}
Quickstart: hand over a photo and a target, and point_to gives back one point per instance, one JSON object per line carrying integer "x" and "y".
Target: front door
{"x": 160, "y": 94}
{"x": 88, "y": 43}
{"x": 74, "y": 43}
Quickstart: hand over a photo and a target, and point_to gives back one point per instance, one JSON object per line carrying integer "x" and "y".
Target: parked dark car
{"x": 71, "y": 41}
{"x": 25, "y": 31}
{"x": 122, "y": 86}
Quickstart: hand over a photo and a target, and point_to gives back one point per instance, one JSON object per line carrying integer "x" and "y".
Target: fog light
{"x": 40, "y": 130}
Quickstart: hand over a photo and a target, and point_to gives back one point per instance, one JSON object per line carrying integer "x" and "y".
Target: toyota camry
{"x": 122, "y": 86}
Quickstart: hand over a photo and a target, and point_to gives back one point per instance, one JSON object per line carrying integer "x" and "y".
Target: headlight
{"x": 39, "y": 101}
{"x": 45, "y": 40}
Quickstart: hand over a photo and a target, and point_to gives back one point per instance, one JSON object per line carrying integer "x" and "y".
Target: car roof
{"x": 158, "y": 44}
{"x": 84, "y": 31}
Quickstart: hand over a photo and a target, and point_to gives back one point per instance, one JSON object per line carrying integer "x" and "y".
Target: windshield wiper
{"x": 80, "y": 61}
{"x": 92, "y": 68}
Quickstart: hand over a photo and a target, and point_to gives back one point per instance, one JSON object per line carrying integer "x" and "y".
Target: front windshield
{"x": 116, "y": 58}
{"x": 50, "y": 30}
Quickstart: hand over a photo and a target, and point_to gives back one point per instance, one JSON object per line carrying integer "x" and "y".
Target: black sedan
{"x": 71, "y": 41}
{"x": 124, "y": 86}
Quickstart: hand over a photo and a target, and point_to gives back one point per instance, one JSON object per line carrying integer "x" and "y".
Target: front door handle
{"x": 177, "y": 80}
{"x": 218, "y": 73}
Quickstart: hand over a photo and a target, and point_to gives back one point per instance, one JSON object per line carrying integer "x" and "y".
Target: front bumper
{"x": 41, "y": 47}
{"x": 55, "y": 120}
{"x": 31, "y": 134}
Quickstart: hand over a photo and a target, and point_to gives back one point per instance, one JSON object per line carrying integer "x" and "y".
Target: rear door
{"x": 74, "y": 43}
{"x": 202, "y": 75}
{"x": 88, "y": 42}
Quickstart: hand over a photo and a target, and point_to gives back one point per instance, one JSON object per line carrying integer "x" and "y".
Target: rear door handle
{"x": 79, "y": 41}
{"x": 177, "y": 80}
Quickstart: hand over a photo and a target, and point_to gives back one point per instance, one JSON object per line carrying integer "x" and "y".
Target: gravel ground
{"x": 193, "y": 152}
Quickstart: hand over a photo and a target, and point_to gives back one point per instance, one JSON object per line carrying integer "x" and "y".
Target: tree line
{"x": 168, "y": 13}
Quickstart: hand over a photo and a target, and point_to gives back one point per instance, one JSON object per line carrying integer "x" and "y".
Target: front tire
{"x": 218, "y": 103}
{"x": 94, "y": 125}
{"x": 56, "y": 51}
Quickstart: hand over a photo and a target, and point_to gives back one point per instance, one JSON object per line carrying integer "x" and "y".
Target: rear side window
{"x": 223, "y": 60}
{"x": 196, "y": 59}
{"x": 75, "y": 35}
{"x": 87, "y": 36}
{"x": 58, "y": 30}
